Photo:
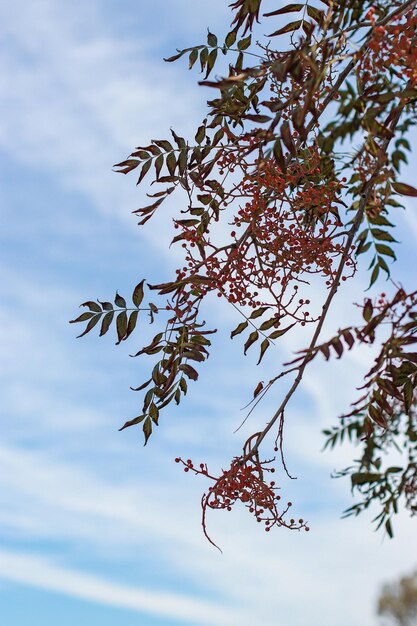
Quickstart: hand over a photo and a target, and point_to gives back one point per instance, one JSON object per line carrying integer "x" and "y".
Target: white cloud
{"x": 38, "y": 572}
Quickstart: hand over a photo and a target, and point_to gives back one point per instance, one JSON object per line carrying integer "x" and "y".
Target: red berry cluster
{"x": 287, "y": 223}
{"x": 392, "y": 47}
{"x": 245, "y": 481}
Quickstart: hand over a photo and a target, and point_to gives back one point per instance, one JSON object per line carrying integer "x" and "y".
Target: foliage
{"x": 398, "y": 601}
{"x": 275, "y": 199}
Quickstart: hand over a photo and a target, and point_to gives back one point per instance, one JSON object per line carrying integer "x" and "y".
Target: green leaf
{"x": 279, "y": 333}
{"x": 268, "y": 323}
{"x": 254, "y": 336}
{"x": 374, "y": 275}
{"x": 240, "y": 328}
{"x": 386, "y": 250}
{"x": 258, "y": 312}
{"x": 264, "y": 347}
{"x": 244, "y": 44}
{"x": 230, "y": 38}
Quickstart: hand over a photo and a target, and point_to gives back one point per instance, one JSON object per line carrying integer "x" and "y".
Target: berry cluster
{"x": 392, "y": 48}
{"x": 285, "y": 230}
{"x": 245, "y": 481}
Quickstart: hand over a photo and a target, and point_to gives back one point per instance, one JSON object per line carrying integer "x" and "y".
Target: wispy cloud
{"x": 38, "y": 572}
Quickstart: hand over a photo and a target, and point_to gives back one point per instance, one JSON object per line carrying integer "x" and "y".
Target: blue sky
{"x": 94, "y": 528}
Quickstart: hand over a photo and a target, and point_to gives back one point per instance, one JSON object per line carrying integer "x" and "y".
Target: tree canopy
{"x": 293, "y": 177}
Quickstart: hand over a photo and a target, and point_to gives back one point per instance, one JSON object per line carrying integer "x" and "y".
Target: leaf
{"x": 119, "y": 301}
{"x": 238, "y": 329}
{"x": 171, "y": 163}
{"x": 338, "y": 346}
{"x": 287, "y": 29}
{"x": 200, "y": 135}
{"x": 131, "y": 325}
{"x": 258, "y": 389}
{"x": 145, "y": 169}
{"x": 362, "y": 478}
{"x": 211, "y": 40}
{"x": 404, "y": 189}
{"x": 314, "y": 13}
{"x": 289, "y": 8}
{"x": 189, "y": 371}
{"x": 279, "y": 333}
{"x": 106, "y": 323}
{"x": 83, "y": 317}
{"x": 175, "y": 57}
{"x": 243, "y": 44}
{"x": 127, "y": 166}
{"x": 210, "y": 62}
{"x": 279, "y": 155}
{"x": 388, "y": 528}
{"x": 93, "y": 306}
{"x": 154, "y": 413}
{"x": 230, "y": 38}
{"x": 368, "y": 309}
{"x": 374, "y": 275}
{"x": 192, "y": 58}
{"x": 183, "y": 385}
{"x": 121, "y": 326}
{"x": 376, "y": 416}
{"x": 287, "y": 137}
{"x": 325, "y": 350}
{"x": 273, "y": 321}
{"x": 137, "y": 295}
{"x": 93, "y": 321}
{"x": 260, "y": 119}
{"x": 386, "y": 250}
{"x": 159, "y": 162}
{"x": 258, "y": 312}
{"x": 133, "y": 422}
{"x": 254, "y": 336}
{"x": 147, "y": 429}
{"x": 264, "y": 347}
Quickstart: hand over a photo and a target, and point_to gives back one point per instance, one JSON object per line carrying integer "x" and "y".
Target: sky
{"x": 95, "y": 528}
